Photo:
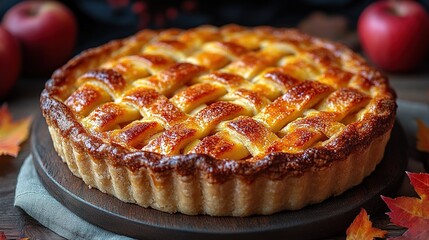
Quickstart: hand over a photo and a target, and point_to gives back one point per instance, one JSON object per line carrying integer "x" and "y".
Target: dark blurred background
{"x": 103, "y": 20}
{"x": 100, "y": 21}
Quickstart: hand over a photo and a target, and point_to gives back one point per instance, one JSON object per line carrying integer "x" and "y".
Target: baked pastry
{"x": 228, "y": 121}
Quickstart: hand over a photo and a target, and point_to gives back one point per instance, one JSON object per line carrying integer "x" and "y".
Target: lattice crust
{"x": 234, "y": 94}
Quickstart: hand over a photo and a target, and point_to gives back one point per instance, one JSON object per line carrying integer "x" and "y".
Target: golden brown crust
{"x": 219, "y": 104}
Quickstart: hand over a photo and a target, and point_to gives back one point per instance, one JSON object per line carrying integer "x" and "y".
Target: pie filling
{"x": 220, "y": 121}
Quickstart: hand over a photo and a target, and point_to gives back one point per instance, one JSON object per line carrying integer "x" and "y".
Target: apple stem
{"x": 32, "y": 11}
{"x": 395, "y": 8}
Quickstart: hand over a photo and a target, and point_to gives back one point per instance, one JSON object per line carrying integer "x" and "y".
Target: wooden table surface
{"x": 24, "y": 101}
{"x": 14, "y": 222}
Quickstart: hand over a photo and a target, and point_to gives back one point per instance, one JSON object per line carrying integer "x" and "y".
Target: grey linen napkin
{"x": 35, "y": 200}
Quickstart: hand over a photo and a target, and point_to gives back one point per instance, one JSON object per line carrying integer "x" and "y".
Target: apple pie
{"x": 224, "y": 121}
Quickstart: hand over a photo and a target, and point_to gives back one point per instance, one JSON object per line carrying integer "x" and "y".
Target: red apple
{"x": 395, "y": 34}
{"x": 10, "y": 61}
{"x": 47, "y": 32}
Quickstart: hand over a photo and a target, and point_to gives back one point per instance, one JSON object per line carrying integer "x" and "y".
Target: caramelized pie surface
{"x": 223, "y": 102}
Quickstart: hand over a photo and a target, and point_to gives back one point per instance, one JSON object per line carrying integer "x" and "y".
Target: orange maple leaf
{"x": 361, "y": 228}
{"x": 422, "y": 136}
{"x": 12, "y": 133}
{"x": 410, "y": 212}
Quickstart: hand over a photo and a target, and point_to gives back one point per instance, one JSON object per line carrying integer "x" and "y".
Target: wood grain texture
{"x": 326, "y": 219}
{"x": 14, "y": 222}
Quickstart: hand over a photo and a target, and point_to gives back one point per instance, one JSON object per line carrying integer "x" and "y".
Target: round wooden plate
{"x": 320, "y": 220}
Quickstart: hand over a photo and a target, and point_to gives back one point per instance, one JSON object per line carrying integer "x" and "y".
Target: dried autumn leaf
{"x": 410, "y": 212}
{"x": 422, "y": 136}
{"x": 361, "y": 228}
{"x": 12, "y": 133}
{"x": 3, "y": 237}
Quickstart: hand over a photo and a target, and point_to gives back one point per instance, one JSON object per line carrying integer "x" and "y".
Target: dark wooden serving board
{"x": 317, "y": 221}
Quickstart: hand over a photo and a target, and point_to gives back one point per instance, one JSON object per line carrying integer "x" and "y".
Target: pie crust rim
{"x": 187, "y": 183}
